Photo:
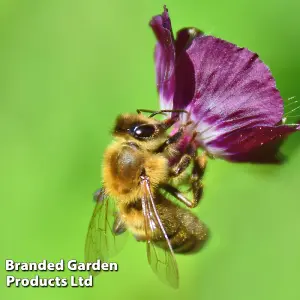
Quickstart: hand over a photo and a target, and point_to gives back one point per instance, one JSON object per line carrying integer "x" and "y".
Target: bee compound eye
{"x": 143, "y": 131}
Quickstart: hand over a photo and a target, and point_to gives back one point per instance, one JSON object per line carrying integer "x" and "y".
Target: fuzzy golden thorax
{"x": 134, "y": 152}
{"x": 123, "y": 166}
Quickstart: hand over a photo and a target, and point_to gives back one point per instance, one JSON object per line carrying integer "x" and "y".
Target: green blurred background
{"x": 67, "y": 68}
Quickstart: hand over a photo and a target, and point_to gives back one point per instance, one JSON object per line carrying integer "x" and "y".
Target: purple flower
{"x": 228, "y": 91}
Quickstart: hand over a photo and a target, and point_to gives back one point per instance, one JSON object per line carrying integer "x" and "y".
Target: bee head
{"x": 138, "y": 127}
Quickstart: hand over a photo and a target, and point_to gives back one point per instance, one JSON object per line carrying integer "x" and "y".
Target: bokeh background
{"x": 67, "y": 68}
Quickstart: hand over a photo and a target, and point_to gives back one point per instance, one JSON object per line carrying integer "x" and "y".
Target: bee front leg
{"x": 171, "y": 140}
{"x": 176, "y": 137}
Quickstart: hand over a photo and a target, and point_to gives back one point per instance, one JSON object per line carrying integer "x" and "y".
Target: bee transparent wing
{"x": 161, "y": 260}
{"x": 101, "y": 241}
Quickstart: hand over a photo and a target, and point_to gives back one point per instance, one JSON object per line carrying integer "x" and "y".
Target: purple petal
{"x": 234, "y": 90}
{"x": 257, "y": 144}
{"x": 184, "y": 38}
{"x": 229, "y": 92}
{"x": 232, "y": 80}
{"x": 184, "y": 72}
{"x": 164, "y": 58}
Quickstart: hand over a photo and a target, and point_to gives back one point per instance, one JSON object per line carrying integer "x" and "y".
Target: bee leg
{"x": 171, "y": 140}
{"x": 99, "y": 195}
{"x": 181, "y": 166}
{"x": 175, "y": 137}
{"x": 179, "y": 195}
{"x": 118, "y": 226}
{"x": 196, "y": 184}
{"x": 197, "y": 175}
{"x": 185, "y": 159}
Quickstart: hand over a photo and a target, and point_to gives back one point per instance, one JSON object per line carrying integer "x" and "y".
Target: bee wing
{"x": 101, "y": 241}
{"x": 162, "y": 261}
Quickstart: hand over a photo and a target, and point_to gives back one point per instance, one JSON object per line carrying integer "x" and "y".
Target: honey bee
{"x": 139, "y": 171}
